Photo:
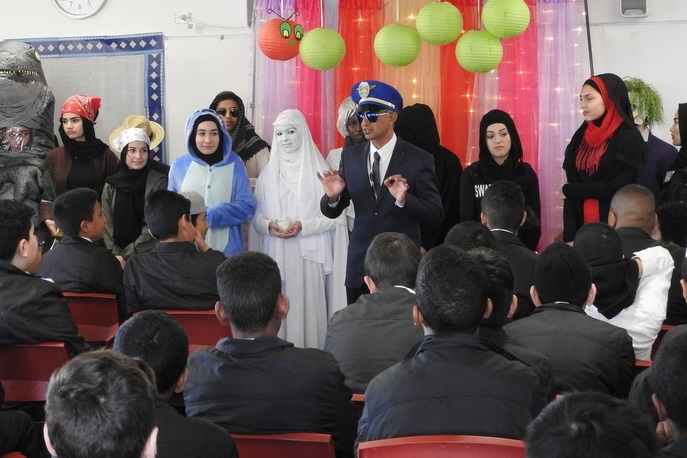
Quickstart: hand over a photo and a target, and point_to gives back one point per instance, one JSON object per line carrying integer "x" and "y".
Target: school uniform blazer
{"x": 373, "y": 216}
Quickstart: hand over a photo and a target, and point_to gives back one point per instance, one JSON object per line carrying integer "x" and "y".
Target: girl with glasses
{"x": 254, "y": 151}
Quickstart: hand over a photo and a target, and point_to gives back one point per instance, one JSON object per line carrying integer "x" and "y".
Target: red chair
{"x": 95, "y": 315}
{"x": 13, "y": 455}
{"x": 26, "y": 369}
{"x": 202, "y": 327}
{"x": 443, "y": 447}
{"x": 291, "y": 445}
{"x": 641, "y": 365}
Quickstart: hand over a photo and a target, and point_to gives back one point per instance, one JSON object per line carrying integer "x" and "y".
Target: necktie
{"x": 375, "y": 173}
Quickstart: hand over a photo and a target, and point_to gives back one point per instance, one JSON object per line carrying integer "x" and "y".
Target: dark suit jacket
{"x": 372, "y": 334}
{"x": 373, "y": 216}
{"x": 522, "y": 262}
{"x": 635, "y": 239}
{"x": 454, "y": 384}
{"x": 33, "y": 310}
{"x": 586, "y": 354}
{"x": 268, "y": 386}
{"x": 77, "y": 265}
{"x": 190, "y": 437}
{"x": 660, "y": 156}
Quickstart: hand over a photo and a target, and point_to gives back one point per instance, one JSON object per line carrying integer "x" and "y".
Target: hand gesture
{"x": 398, "y": 187}
{"x": 274, "y": 229}
{"x": 292, "y": 230}
{"x": 332, "y": 183}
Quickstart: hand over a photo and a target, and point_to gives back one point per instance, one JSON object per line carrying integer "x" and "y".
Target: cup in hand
{"x": 283, "y": 223}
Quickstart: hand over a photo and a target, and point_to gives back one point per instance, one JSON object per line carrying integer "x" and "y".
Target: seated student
{"x": 257, "y": 383}
{"x": 17, "y": 432}
{"x": 672, "y": 231}
{"x": 634, "y": 217}
{"x": 76, "y": 263}
{"x": 590, "y": 425}
{"x": 455, "y": 383}
{"x": 32, "y": 310}
{"x": 585, "y": 354}
{"x": 669, "y": 376}
{"x": 158, "y": 340}
{"x": 630, "y": 293}
{"x": 101, "y": 404}
{"x": 504, "y": 302}
{"x": 470, "y": 234}
{"x": 377, "y": 331}
{"x": 199, "y": 212}
{"x": 503, "y": 211}
{"x": 179, "y": 273}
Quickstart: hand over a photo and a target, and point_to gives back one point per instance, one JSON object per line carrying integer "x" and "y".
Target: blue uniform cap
{"x": 371, "y": 92}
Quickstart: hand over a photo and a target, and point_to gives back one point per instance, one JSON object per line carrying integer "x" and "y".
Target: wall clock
{"x": 79, "y": 9}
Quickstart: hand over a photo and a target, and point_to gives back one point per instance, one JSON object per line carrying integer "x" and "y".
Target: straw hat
{"x": 152, "y": 129}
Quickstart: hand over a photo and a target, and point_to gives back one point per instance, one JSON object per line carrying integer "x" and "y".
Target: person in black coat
{"x": 416, "y": 124}
{"x": 500, "y": 158}
{"x": 604, "y": 154}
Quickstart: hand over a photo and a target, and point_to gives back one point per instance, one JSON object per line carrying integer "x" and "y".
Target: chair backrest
{"x": 290, "y": 445}
{"x": 26, "y": 369}
{"x": 659, "y": 338}
{"x": 13, "y": 455}
{"x": 443, "y": 447}
{"x": 202, "y": 327}
{"x": 95, "y": 315}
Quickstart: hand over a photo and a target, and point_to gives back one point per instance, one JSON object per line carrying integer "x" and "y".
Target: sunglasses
{"x": 371, "y": 116}
{"x": 234, "y": 112}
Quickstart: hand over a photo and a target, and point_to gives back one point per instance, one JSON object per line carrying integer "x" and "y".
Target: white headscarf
{"x": 294, "y": 172}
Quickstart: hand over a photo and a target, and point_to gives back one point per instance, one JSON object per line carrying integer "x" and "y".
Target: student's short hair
{"x": 669, "y": 377}
{"x": 249, "y": 285}
{"x": 72, "y": 207}
{"x": 504, "y": 205}
{"x": 160, "y": 341}
{"x": 499, "y": 283}
{"x": 590, "y": 425}
{"x": 598, "y": 242}
{"x": 470, "y": 234}
{"x": 392, "y": 259}
{"x": 451, "y": 291}
{"x": 101, "y": 404}
{"x": 15, "y": 226}
{"x": 672, "y": 222}
{"x": 163, "y": 209}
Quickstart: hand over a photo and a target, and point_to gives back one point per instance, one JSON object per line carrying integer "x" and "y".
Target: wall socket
{"x": 184, "y": 18}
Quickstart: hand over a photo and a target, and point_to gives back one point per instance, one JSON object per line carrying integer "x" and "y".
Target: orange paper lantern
{"x": 279, "y": 39}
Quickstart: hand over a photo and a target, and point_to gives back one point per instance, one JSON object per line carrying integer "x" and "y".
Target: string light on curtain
{"x": 479, "y": 51}
{"x": 506, "y": 18}
{"x": 439, "y": 23}
{"x": 397, "y": 45}
{"x": 322, "y": 49}
{"x": 279, "y": 39}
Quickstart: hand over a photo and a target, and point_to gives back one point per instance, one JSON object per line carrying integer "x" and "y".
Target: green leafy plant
{"x": 645, "y": 101}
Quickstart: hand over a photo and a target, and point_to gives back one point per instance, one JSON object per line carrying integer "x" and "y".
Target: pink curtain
{"x": 537, "y": 81}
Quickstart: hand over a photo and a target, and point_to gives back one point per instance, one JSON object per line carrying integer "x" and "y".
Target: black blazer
{"x": 373, "y": 216}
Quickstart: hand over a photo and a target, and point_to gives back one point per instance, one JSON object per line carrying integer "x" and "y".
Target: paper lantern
{"x": 322, "y": 49}
{"x": 279, "y": 39}
{"x": 479, "y": 51}
{"x": 397, "y": 45}
{"x": 439, "y": 23}
{"x": 506, "y": 18}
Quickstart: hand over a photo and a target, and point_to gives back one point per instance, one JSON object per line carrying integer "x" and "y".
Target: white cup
{"x": 283, "y": 223}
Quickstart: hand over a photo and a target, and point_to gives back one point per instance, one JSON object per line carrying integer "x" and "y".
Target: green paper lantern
{"x": 322, "y": 49}
{"x": 397, "y": 45}
{"x": 479, "y": 51}
{"x": 506, "y": 18}
{"x": 439, "y": 23}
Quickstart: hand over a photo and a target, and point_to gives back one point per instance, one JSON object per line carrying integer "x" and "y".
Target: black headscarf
{"x": 129, "y": 203}
{"x": 218, "y": 155}
{"x": 88, "y": 149}
{"x": 245, "y": 142}
{"x": 508, "y": 169}
{"x": 681, "y": 159}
